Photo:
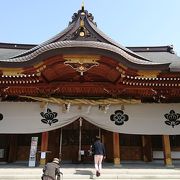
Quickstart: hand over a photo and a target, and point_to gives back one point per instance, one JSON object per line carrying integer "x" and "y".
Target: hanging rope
{"x": 84, "y": 101}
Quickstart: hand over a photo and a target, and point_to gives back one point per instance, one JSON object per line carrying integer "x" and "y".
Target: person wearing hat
{"x": 99, "y": 154}
{"x": 51, "y": 170}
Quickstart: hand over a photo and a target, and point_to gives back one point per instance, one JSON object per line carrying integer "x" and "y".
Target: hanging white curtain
{"x": 25, "y": 117}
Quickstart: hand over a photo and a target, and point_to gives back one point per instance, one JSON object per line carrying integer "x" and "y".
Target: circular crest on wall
{"x": 1, "y": 116}
{"x": 119, "y": 117}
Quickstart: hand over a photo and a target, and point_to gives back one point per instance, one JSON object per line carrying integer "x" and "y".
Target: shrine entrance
{"x": 73, "y": 141}
{"x": 76, "y": 139}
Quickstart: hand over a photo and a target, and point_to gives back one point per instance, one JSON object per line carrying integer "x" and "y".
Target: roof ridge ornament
{"x": 83, "y": 13}
{"x": 82, "y": 29}
{"x": 171, "y": 49}
{"x": 82, "y": 7}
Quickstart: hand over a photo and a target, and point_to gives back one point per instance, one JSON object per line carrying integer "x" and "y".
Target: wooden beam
{"x": 116, "y": 149}
{"x": 44, "y": 147}
{"x": 12, "y": 156}
{"x": 147, "y": 148}
{"x": 167, "y": 150}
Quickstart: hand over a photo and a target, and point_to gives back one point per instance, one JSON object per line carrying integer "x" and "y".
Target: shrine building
{"x": 81, "y": 83}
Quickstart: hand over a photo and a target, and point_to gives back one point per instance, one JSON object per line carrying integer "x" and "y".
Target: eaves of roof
{"x": 99, "y": 47}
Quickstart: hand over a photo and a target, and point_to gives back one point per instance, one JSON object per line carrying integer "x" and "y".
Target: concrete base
{"x": 169, "y": 166}
{"x": 117, "y": 165}
{"x": 87, "y": 171}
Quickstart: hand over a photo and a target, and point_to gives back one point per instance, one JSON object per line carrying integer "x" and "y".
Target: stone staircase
{"x": 85, "y": 173}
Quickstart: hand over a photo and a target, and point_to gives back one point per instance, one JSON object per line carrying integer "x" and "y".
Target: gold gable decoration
{"x": 148, "y": 74}
{"x": 12, "y": 71}
{"x": 81, "y": 63}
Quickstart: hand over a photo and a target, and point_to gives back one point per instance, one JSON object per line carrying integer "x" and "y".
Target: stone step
{"x": 81, "y": 177}
{"x": 89, "y": 172}
{"x": 105, "y": 170}
{"x": 97, "y": 178}
{"x": 80, "y": 173}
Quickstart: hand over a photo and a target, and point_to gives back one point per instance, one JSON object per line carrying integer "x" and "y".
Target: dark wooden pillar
{"x": 147, "y": 148}
{"x": 12, "y": 155}
{"x": 116, "y": 149}
{"x": 44, "y": 147}
{"x": 167, "y": 150}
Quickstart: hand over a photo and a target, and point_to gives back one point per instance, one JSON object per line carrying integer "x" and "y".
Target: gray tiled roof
{"x": 163, "y": 57}
{"x": 8, "y": 53}
{"x": 100, "y": 48}
{"x": 159, "y": 57}
{"x": 155, "y": 57}
{"x": 62, "y": 44}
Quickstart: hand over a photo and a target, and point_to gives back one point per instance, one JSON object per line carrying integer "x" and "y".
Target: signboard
{"x": 43, "y": 155}
{"x": 33, "y": 150}
{"x": 82, "y": 152}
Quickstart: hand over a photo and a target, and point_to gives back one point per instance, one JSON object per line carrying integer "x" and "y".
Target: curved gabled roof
{"x": 83, "y": 21}
{"x": 82, "y": 32}
{"x": 99, "y": 47}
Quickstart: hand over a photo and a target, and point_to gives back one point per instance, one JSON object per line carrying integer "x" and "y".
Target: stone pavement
{"x": 128, "y": 171}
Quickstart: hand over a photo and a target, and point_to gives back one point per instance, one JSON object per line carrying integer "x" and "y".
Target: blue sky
{"x": 129, "y": 22}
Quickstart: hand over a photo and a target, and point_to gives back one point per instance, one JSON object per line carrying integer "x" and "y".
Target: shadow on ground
{"x": 84, "y": 172}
